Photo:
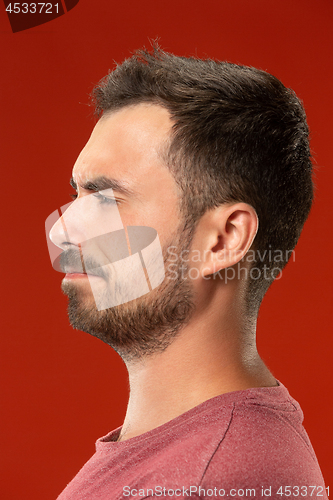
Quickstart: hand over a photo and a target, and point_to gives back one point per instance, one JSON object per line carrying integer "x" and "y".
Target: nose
{"x": 65, "y": 228}
{"x": 79, "y": 223}
{"x": 61, "y": 233}
{"x": 56, "y": 236}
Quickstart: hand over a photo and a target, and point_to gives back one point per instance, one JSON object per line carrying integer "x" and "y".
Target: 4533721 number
{"x": 303, "y": 491}
{"x": 33, "y": 8}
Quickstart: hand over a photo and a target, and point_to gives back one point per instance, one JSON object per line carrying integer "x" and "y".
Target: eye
{"x": 101, "y": 198}
{"x": 105, "y": 199}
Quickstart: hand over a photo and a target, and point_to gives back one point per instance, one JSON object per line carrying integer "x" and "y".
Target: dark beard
{"x": 146, "y": 325}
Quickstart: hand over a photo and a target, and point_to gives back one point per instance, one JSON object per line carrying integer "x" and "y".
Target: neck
{"x": 204, "y": 360}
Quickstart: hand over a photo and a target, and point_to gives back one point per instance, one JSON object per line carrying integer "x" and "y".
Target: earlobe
{"x": 233, "y": 229}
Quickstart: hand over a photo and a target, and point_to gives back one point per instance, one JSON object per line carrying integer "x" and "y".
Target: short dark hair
{"x": 239, "y": 135}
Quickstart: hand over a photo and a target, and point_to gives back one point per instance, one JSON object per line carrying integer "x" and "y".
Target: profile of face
{"x": 114, "y": 238}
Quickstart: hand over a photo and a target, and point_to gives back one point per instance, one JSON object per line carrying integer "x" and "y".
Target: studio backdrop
{"x": 61, "y": 389}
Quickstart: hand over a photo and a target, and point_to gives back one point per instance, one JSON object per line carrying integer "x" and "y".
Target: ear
{"x": 227, "y": 233}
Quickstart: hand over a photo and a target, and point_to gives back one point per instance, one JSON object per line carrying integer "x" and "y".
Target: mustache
{"x": 72, "y": 261}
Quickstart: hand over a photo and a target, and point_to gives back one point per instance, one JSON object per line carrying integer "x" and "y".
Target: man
{"x": 212, "y": 160}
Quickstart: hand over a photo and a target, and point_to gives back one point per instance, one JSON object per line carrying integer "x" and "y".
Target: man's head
{"x": 122, "y": 181}
{"x": 239, "y": 135}
{"x": 199, "y": 151}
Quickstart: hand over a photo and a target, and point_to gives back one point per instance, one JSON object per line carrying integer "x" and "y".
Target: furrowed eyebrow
{"x": 101, "y": 183}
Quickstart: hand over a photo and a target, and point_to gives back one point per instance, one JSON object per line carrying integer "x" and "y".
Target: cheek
{"x": 195, "y": 272}
{"x": 164, "y": 219}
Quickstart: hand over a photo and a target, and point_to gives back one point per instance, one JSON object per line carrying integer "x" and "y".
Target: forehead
{"x": 126, "y": 145}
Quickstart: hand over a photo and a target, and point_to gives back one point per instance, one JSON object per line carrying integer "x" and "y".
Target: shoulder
{"x": 265, "y": 445}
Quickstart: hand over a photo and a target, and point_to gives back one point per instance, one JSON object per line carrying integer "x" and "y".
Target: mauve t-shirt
{"x": 243, "y": 444}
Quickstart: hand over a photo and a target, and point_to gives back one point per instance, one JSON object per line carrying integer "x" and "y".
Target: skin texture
{"x": 214, "y": 350}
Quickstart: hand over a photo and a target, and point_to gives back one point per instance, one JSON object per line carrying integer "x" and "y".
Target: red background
{"x": 62, "y": 389}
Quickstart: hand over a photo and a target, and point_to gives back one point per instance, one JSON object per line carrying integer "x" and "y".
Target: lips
{"x": 72, "y": 265}
{"x": 72, "y": 272}
{"x": 78, "y": 272}
{"x": 76, "y": 275}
